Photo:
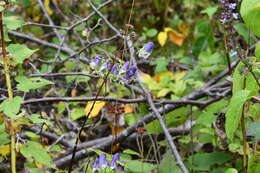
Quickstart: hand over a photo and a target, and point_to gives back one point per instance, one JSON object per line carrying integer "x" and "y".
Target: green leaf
{"x": 250, "y": 12}
{"x": 25, "y": 84}
{"x": 204, "y": 161}
{"x": 257, "y": 52}
{"x": 234, "y": 112}
{"x": 254, "y": 130}
{"x": 1, "y": 8}
{"x": 137, "y": 166}
{"x": 151, "y": 32}
{"x": 131, "y": 152}
{"x": 161, "y": 66}
{"x": 210, "y": 11}
{"x": 77, "y": 113}
{"x": 35, "y": 118}
{"x": 168, "y": 164}
{"x": 238, "y": 78}
{"x": 245, "y": 33}
{"x": 163, "y": 92}
{"x": 231, "y": 170}
{"x": 4, "y": 137}
{"x": 12, "y": 22}
{"x": 19, "y": 52}
{"x": 207, "y": 116}
{"x": 37, "y": 152}
{"x": 11, "y": 107}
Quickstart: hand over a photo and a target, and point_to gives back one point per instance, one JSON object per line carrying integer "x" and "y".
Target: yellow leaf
{"x": 39, "y": 165}
{"x": 115, "y": 130}
{"x": 146, "y": 78}
{"x": 128, "y": 108}
{"x": 5, "y": 150}
{"x": 95, "y": 111}
{"x": 162, "y": 38}
{"x": 176, "y": 37}
{"x": 163, "y": 92}
{"x": 184, "y": 28}
{"x": 180, "y": 75}
{"x": 47, "y": 7}
{"x": 168, "y": 29}
{"x": 157, "y": 77}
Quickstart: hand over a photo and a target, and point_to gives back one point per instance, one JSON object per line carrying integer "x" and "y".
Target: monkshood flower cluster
{"x": 102, "y": 165}
{"x": 228, "y": 14}
{"x": 101, "y": 66}
{"x": 123, "y": 70}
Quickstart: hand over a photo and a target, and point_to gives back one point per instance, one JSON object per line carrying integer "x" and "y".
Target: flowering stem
{"x": 81, "y": 129}
{"x": 9, "y": 89}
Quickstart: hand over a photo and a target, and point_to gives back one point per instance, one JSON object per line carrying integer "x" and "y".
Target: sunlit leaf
{"x": 158, "y": 77}
{"x": 11, "y": 107}
{"x": 25, "y": 84}
{"x": 37, "y": 152}
{"x": 47, "y": 7}
{"x": 5, "y": 150}
{"x": 176, "y": 37}
{"x": 96, "y": 109}
{"x": 128, "y": 108}
{"x": 131, "y": 152}
{"x": 19, "y": 52}
{"x": 231, "y": 170}
{"x": 163, "y": 92}
{"x": 162, "y": 38}
{"x": 210, "y": 11}
{"x": 250, "y": 12}
{"x": 12, "y": 22}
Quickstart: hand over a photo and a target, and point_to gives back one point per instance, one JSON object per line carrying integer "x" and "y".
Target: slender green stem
{"x": 10, "y": 91}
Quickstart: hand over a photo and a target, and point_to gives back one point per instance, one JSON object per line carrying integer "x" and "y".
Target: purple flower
{"x": 124, "y": 67}
{"x": 113, "y": 163}
{"x": 233, "y": 53}
{"x": 105, "y": 65}
{"x": 94, "y": 62}
{"x": 95, "y": 166}
{"x": 114, "y": 69}
{"x": 130, "y": 73}
{"x": 148, "y": 47}
{"x": 146, "y": 51}
{"x": 232, "y": 6}
{"x": 235, "y": 15}
{"x": 102, "y": 161}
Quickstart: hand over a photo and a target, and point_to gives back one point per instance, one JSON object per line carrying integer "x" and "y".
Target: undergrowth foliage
{"x": 101, "y": 86}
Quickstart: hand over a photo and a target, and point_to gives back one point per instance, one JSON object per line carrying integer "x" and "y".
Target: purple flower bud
{"x": 146, "y": 51}
{"x": 130, "y": 73}
{"x": 95, "y": 166}
{"x": 94, "y": 62}
{"x": 102, "y": 161}
{"x": 148, "y": 47}
{"x": 113, "y": 163}
{"x": 114, "y": 69}
{"x": 125, "y": 66}
{"x": 106, "y": 65}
